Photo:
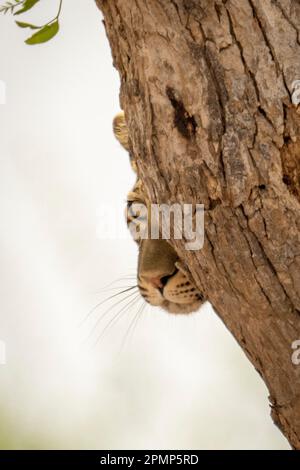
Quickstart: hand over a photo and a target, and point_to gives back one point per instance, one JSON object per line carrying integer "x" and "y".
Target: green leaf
{"x": 44, "y": 34}
{"x": 26, "y": 25}
{"x": 27, "y": 5}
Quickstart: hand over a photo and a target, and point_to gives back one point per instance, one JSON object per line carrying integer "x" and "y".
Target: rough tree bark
{"x": 206, "y": 86}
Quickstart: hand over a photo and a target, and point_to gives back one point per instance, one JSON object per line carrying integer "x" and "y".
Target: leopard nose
{"x": 156, "y": 282}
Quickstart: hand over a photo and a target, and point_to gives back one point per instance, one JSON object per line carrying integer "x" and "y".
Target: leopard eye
{"x": 129, "y": 204}
{"x": 136, "y": 210}
{"x": 137, "y": 220}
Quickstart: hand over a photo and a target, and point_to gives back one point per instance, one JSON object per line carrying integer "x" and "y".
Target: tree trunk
{"x": 207, "y": 88}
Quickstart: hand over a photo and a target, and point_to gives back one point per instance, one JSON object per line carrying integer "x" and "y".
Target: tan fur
{"x": 161, "y": 280}
{"x": 120, "y": 130}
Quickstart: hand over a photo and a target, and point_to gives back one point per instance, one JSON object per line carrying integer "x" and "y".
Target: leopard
{"x": 162, "y": 279}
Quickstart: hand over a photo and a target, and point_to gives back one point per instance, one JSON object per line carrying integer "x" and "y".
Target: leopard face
{"x": 161, "y": 278}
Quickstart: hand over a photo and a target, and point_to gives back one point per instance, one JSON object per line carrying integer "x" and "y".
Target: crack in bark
{"x": 220, "y": 91}
{"x": 252, "y": 254}
{"x": 249, "y": 72}
{"x": 266, "y": 39}
{"x": 290, "y": 22}
{"x": 218, "y": 262}
{"x": 183, "y": 122}
{"x": 269, "y": 46}
{"x": 267, "y": 259}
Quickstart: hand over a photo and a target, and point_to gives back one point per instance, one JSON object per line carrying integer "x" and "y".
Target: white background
{"x": 176, "y": 382}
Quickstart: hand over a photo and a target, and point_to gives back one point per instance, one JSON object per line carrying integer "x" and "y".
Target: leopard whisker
{"x": 133, "y": 324}
{"x": 109, "y": 310}
{"x": 104, "y": 301}
{"x": 113, "y": 288}
{"x": 117, "y": 317}
{"x": 123, "y": 278}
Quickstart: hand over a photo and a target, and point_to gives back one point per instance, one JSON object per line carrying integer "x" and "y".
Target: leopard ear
{"x": 120, "y": 130}
{"x": 121, "y": 133}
